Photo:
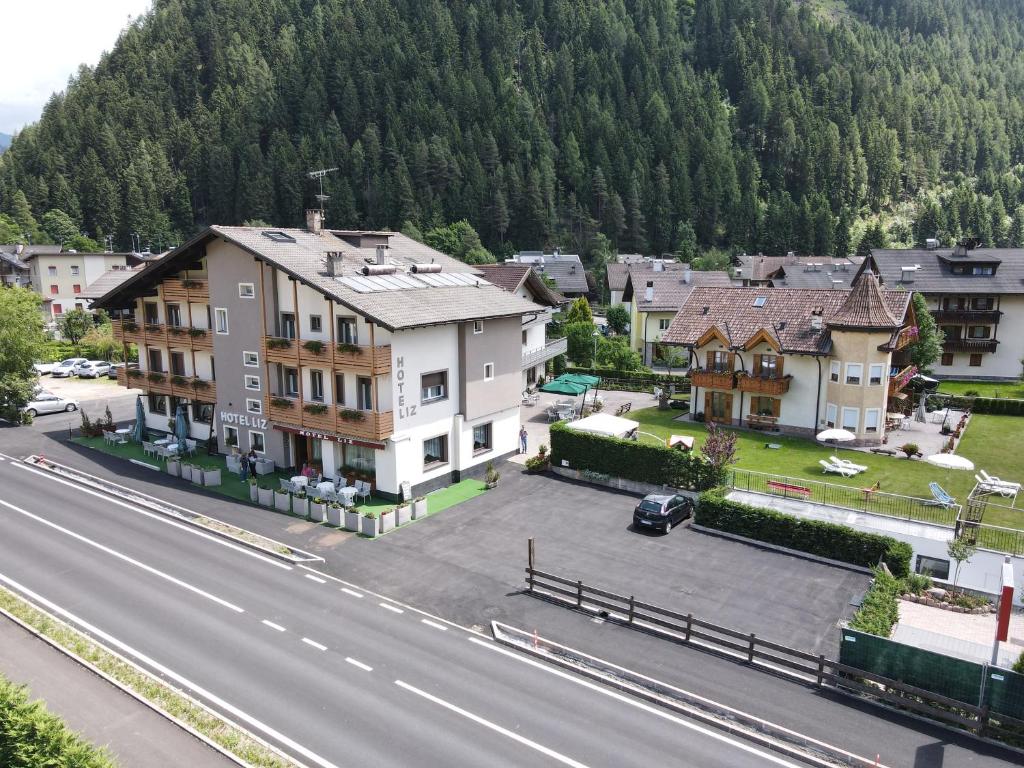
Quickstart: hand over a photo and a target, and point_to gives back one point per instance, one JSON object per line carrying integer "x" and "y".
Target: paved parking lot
{"x": 84, "y": 390}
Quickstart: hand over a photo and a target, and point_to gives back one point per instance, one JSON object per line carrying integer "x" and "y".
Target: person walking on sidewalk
{"x": 523, "y": 436}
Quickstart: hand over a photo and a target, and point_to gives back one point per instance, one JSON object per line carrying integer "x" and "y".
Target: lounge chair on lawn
{"x": 988, "y": 487}
{"x": 992, "y": 480}
{"x": 850, "y": 464}
{"x": 829, "y": 466}
{"x": 939, "y": 497}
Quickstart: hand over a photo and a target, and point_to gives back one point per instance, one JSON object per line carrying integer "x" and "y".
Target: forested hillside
{"x": 661, "y": 124}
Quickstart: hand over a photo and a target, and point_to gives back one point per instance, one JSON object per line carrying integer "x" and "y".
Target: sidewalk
{"x": 104, "y": 715}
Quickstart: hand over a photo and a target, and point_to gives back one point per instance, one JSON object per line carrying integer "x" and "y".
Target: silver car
{"x": 93, "y": 369}
{"x": 67, "y": 367}
{"x": 47, "y": 402}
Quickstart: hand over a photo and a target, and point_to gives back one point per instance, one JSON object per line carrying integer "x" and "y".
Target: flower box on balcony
{"x": 191, "y": 284}
{"x": 175, "y": 330}
{"x": 278, "y": 343}
{"x": 315, "y": 409}
{"x": 130, "y": 326}
{"x": 348, "y": 349}
{"x": 348, "y": 414}
{"x": 156, "y": 378}
{"x": 200, "y": 385}
{"x": 179, "y": 381}
{"x": 153, "y": 328}
{"x": 135, "y": 373}
{"x": 313, "y": 346}
{"x": 281, "y": 402}
{"x": 196, "y": 333}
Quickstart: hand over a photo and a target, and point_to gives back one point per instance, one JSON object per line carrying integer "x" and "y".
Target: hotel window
{"x": 246, "y": 291}
{"x": 51, "y": 271}
{"x": 983, "y": 304}
{"x": 833, "y": 370}
{"x": 979, "y": 332}
{"x": 174, "y": 315}
{"x": 975, "y": 360}
{"x": 765, "y": 406}
{"x": 947, "y": 358}
{"x": 854, "y": 373}
{"x": 347, "y": 330}
{"x": 364, "y": 394}
{"x": 74, "y": 271}
{"x": 951, "y": 332}
{"x": 664, "y": 323}
{"x": 830, "y": 415}
{"x": 256, "y": 442}
{"x": 287, "y": 325}
{"x": 253, "y": 383}
{"x": 488, "y": 371}
{"x": 478, "y": 326}
{"x": 230, "y": 436}
{"x": 316, "y": 324}
{"x": 202, "y": 413}
{"x": 156, "y": 361}
{"x": 851, "y": 418}
{"x": 983, "y": 270}
{"x": 316, "y": 386}
{"x": 871, "y": 420}
{"x": 435, "y": 452}
{"x": 253, "y": 406}
{"x": 158, "y": 404}
{"x": 719, "y": 362}
{"x": 482, "y": 438}
{"x": 149, "y": 313}
{"x": 177, "y": 363}
{"x": 339, "y": 388}
{"x": 76, "y": 288}
{"x": 434, "y": 386}
{"x": 875, "y": 373}
{"x": 54, "y": 290}
{"x": 220, "y": 316}
{"x": 291, "y": 382}
{"x": 251, "y": 359}
{"x": 768, "y": 367}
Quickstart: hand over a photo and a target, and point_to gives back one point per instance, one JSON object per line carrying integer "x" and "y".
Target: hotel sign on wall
{"x": 329, "y": 436}
{"x": 242, "y": 420}
{"x": 404, "y": 411}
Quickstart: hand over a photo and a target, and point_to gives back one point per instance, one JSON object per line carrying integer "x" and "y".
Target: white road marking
{"x": 272, "y": 625}
{"x": 355, "y": 663}
{"x": 155, "y": 516}
{"x": 315, "y": 644}
{"x": 167, "y": 672}
{"x": 126, "y": 558}
{"x": 390, "y": 607}
{"x": 352, "y": 592}
{"x": 633, "y": 702}
{"x": 434, "y": 624}
{"x": 9, "y": 458}
{"x": 493, "y": 726}
{"x": 311, "y": 577}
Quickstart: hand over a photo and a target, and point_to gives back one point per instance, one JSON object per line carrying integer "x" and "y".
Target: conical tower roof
{"x": 865, "y": 307}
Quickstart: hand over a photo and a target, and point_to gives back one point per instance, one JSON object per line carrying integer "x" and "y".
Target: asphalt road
{"x": 330, "y": 673}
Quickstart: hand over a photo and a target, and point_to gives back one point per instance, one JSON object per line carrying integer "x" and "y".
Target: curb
{"x": 777, "y": 548}
{"x": 170, "y": 510}
{"x": 741, "y": 724}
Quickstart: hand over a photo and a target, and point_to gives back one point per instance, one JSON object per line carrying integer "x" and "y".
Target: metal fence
{"x": 844, "y": 497}
{"x": 970, "y": 526}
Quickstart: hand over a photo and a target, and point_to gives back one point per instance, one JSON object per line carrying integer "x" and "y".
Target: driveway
{"x": 84, "y": 390}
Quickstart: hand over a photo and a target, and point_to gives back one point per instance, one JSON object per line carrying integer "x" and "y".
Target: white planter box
{"x": 300, "y": 505}
{"x": 419, "y": 509}
{"x": 173, "y": 467}
{"x": 185, "y": 472}
{"x": 387, "y": 520}
{"x": 211, "y": 477}
{"x": 352, "y": 520}
{"x": 253, "y": 492}
{"x": 334, "y": 515}
{"x": 282, "y": 502}
{"x": 197, "y": 475}
{"x": 403, "y": 514}
{"x": 316, "y": 512}
{"x": 266, "y": 497}
{"x": 368, "y": 526}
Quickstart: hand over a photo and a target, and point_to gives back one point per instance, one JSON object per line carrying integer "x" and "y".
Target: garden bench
{"x": 800, "y": 490}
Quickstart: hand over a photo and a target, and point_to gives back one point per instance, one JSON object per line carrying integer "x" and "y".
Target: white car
{"x": 67, "y": 367}
{"x": 44, "y": 368}
{"x": 93, "y": 369}
{"x": 47, "y": 402}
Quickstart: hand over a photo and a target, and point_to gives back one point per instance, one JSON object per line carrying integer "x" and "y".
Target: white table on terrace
{"x": 301, "y": 480}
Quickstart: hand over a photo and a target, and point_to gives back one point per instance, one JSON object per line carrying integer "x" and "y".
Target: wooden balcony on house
{"x": 757, "y": 385}
{"x": 958, "y": 316}
{"x": 189, "y": 387}
{"x": 900, "y": 380}
{"x": 908, "y": 335}
{"x": 186, "y": 289}
{"x": 969, "y": 345}
{"x": 359, "y": 357}
{"x": 712, "y": 379}
{"x": 160, "y": 335}
{"x": 321, "y": 417}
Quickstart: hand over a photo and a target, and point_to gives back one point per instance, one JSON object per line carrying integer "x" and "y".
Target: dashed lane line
{"x": 272, "y": 625}
{"x": 392, "y": 608}
{"x": 352, "y": 592}
{"x": 357, "y": 663}
{"x": 315, "y": 644}
{"x": 317, "y": 579}
{"x": 434, "y": 624}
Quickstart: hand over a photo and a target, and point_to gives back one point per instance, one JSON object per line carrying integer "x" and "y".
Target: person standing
{"x": 523, "y": 436}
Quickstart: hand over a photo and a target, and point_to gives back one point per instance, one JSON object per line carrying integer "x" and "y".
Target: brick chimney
{"x": 315, "y": 220}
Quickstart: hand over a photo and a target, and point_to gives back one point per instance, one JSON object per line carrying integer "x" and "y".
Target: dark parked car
{"x": 661, "y": 511}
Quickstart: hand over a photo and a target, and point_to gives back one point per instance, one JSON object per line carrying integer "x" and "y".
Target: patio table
{"x": 347, "y": 495}
{"x": 325, "y": 486}
{"x": 122, "y": 434}
{"x": 301, "y": 480}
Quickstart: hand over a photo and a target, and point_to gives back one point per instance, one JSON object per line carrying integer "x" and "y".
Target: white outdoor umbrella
{"x": 838, "y": 435}
{"x": 949, "y": 461}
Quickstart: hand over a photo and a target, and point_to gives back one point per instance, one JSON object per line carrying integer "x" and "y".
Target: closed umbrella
{"x": 181, "y": 427}
{"x": 950, "y": 461}
{"x": 836, "y": 435}
{"x": 921, "y": 414}
{"x": 139, "y": 432}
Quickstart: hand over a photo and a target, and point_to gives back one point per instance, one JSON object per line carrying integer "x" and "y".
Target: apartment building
{"x": 976, "y": 296}
{"x": 61, "y": 277}
{"x": 356, "y": 352}
{"x": 523, "y": 281}
{"x": 617, "y": 272}
{"x": 797, "y": 360}
{"x": 565, "y": 269}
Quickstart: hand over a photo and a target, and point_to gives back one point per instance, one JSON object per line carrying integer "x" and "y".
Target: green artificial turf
{"x": 454, "y": 494}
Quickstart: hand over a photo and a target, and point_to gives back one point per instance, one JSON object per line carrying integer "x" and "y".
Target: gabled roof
{"x": 934, "y": 270}
{"x": 616, "y": 276}
{"x": 671, "y": 287}
{"x": 865, "y": 307}
{"x": 569, "y": 276}
{"x": 512, "y": 277}
{"x": 785, "y": 314}
{"x": 107, "y": 282}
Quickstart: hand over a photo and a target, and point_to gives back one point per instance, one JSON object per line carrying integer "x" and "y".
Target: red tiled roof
{"x": 865, "y": 307}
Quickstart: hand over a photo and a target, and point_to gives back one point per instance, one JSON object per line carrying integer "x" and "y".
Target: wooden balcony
{"x": 908, "y": 335}
{"x": 757, "y": 385}
{"x": 359, "y": 357}
{"x": 346, "y": 422}
{"x": 963, "y": 316}
{"x": 713, "y": 379}
{"x": 900, "y": 380}
{"x": 165, "y": 384}
{"x": 160, "y": 335}
{"x": 969, "y": 345}
{"x": 190, "y": 290}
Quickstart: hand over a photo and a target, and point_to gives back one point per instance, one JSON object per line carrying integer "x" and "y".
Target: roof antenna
{"x": 319, "y": 176}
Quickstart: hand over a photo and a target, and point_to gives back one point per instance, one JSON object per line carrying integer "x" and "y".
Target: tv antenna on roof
{"x": 319, "y": 176}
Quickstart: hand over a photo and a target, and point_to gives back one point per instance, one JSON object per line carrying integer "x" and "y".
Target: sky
{"x": 44, "y": 43}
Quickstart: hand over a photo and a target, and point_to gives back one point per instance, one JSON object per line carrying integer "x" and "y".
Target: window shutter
{"x": 731, "y": 362}
{"x": 728, "y": 407}
{"x": 757, "y": 365}
{"x": 707, "y": 405}
{"x": 776, "y": 407}
{"x": 778, "y": 365}
{"x": 710, "y": 360}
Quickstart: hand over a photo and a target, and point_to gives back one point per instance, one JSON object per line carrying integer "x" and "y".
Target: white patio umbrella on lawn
{"x": 949, "y": 461}
{"x": 836, "y": 435}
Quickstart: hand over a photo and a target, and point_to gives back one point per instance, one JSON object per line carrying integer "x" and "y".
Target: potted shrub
{"x": 345, "y": 348}
{"x": 265, "y": 496}
{"x": 317, "y": 510}
{"x": 282, "y": 501}
{"x": 910, "y": 449}
{"x": 174, "y": 467}
{"x": 368, "y": 523}
{"x": 315, "y": 409}
{"x": 211, "y": 476}
{"x": 403, "y": 513}
{"x": 300, "y": 504}
{"x": 492, "y": 476}
{"x": 539, "y": 463}
{"x": 352, "y": 519}
{"x": 419, "y": 507}
{"x": 253, "y": 490}
{"x": 334, "y": 514}
{"x": 387, "y": 520}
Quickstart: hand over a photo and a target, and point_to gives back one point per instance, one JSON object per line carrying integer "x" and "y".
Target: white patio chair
{"x": 850, "y": 464}
{"x": 148, "y": 449}
{"x": 995, "y": 488}
{"x": 362, "y": 490}
{"x": 828, "y": 466}
{"x": 190, "y": 446}
{"x": 993, "y": 480}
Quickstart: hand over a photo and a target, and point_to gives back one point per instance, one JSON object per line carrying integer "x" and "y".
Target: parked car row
{"x": 80, "y": 367}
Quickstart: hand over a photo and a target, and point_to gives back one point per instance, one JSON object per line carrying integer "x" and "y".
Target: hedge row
{"x": 994, "y": 405}
{"x": 837, "y": 542}
{"x": 31, "y": 736}
{"x": 879, "y": 611}
{"x": 642, "y": 462}
{"x": 646, "y": 375}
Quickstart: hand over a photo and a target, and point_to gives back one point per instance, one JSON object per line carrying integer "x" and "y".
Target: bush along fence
{"x": 999, "y": 406}
{"x": 815, "y": 537}
{"x": 628, "y": 459}
{"x": 633, "y": 381}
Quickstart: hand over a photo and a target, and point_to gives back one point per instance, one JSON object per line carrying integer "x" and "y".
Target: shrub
{"x": 971, "y": 393}
{"x": 281, "y": 402}
{"x": 200, "y": 384}
{"x": 1018, "y": 665}
{"x": 642, "y": 462}
{"x": 315, "y": 409}
{"x": 156, "y": 377}
{"x": 345, "y": 348}
{"x": 993, "y": 405}
{"x": 195, "y": 333}
{"x": 816, "y": 537}
{"x": 917, "y": 583}
{"x": 314, "y": 346}
{"x": 880, "y": 610}
{"x": 350, "y": 414}
{"x": 277, "y": 343}
{"x": 910, "y": 449}
{"x": 179, "y": 381}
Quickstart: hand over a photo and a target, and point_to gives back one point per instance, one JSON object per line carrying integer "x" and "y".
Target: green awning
{"x": 561, "y": 387}
{"x": 580, "y": 378}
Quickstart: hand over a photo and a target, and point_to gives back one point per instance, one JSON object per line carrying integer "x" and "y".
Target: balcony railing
{"x": 158, "y": 334}
{"x": 984, "y": 316}
{"x": 553, "y": 348}
{"x": 364, "y": 358}
{"x": 969, "y": 345}
{"x": 186, "y": 289}
{"x": 898, "y": 381}
{"x": 908, "y": 335}
{"x": 712, "y": 379}
{"x": 758, "y": 385}
{"x": 157, "y": 383}
{"x": 346, "y": 422}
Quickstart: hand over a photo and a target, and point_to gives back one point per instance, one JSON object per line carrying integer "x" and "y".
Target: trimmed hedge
{"x": 816, "y": 537}
{"x": 999, "y": 406}
{"x": 631, "y": 460}
{"x": 645, "y": 377}
{"x": 31, "y": 736}
{"x": 880, "y": 610}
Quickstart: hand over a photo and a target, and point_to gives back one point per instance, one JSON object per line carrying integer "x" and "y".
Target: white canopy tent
{"x": 605, "y": 424}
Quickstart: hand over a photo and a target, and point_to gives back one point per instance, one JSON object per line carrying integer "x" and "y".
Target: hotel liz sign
{"x": 242, "y": 420}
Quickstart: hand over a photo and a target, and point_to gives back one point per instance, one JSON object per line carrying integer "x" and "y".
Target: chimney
{"x": 649, "y": 291}
{"x": 382, "y": 254}
{"x": 687, "y": 274}
{"x": 334, "y": 262}
{"x": 315, "y": 220}
{"x": 659, "y": 265}
{"x": 816, "y": 318}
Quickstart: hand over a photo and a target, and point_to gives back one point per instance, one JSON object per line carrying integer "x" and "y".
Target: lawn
{"x": 1010, "y": 389}
{"x": 994, "y": 443}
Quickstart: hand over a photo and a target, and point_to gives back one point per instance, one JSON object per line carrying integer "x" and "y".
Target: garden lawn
{"x": 1010, "y": 389}
{"x": 994, "y": 443}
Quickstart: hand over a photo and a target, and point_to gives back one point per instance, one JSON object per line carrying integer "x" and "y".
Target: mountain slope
{"x": 660, "y": 123}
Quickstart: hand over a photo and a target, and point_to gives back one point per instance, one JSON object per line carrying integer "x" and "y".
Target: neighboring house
{"x": 616, "y": 272}
{"x": 107, "y": 282}
{"x": 352, "y": 351}
{"x": 61, "y": 277}
{"x": 797, "y": 360}
{"x": 655, "y": 292}
{"x": 792, "y": 271}
{"x": 523, "y": 281}
{"x": 14, "y": 267}
{"x": 976, "y": 297}
{"x": 565, "y": 269}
